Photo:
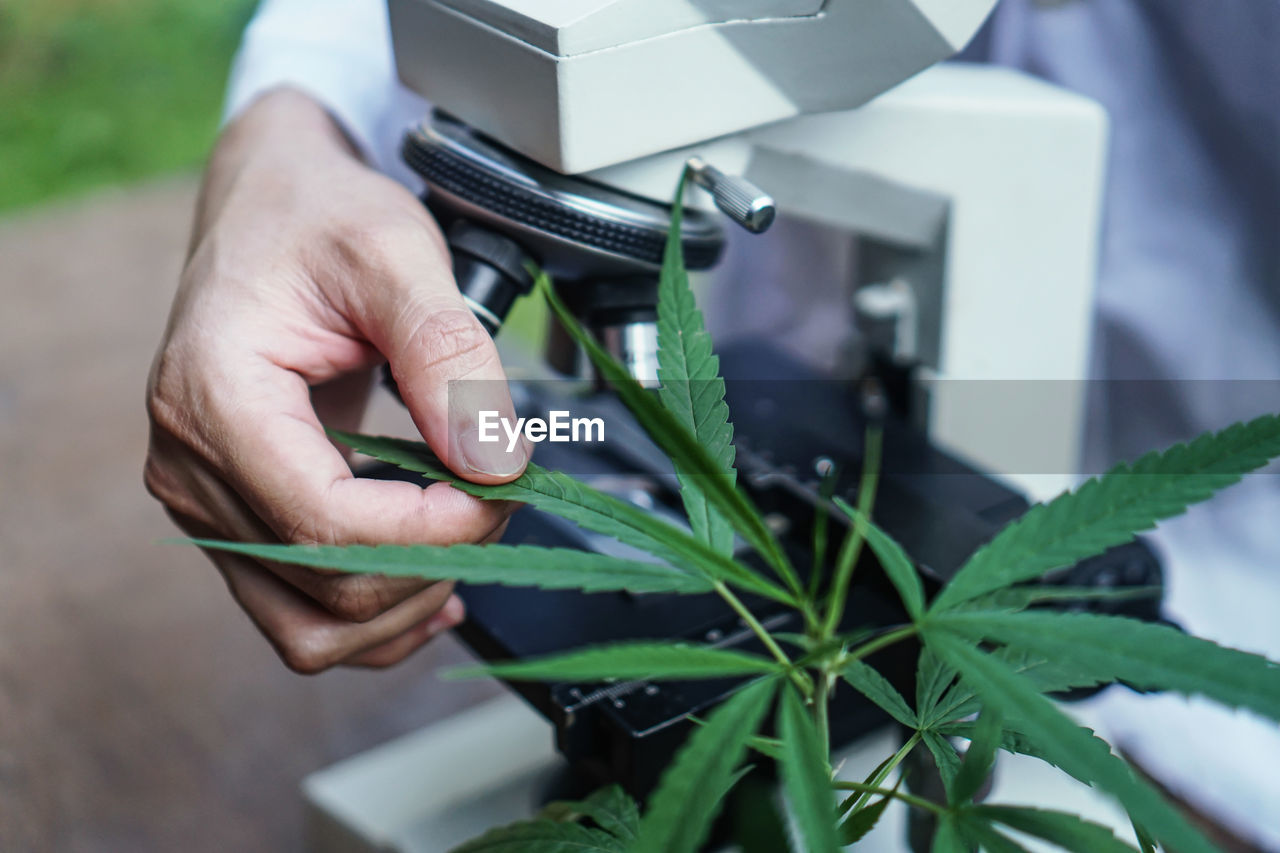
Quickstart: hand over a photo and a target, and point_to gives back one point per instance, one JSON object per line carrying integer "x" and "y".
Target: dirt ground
{"x": 139, "y": 709}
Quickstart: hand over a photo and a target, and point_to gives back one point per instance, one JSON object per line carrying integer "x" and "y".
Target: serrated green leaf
{"x": 861, "y": 822}
{"x": 562, "y": 495}
{"x": 543, "y": 836}
{"x": 691, "y": 388}
{"x": 978, "y": 758}
{"x": 1017, "y": 742}
{"x": 944, "y": 756}
{"x": 757, "y": 824}
{"x": 1022, "y": 597}
{"x": 519, "y": 565}
{"x": 983, "y": 836}
{"x": 872, "y": 780}
{"x": 1072, "y": 749}
{"x": 1047, "y": 676}
{"x": 611, "y": 809}
{"x": 1145, "y": 841}
{"x": 806, "y": 776}
{"x": 1108, "y": 511}
{"x": 946, "y": 839}
{"x": 1065, "y": 830}
{"x": 769, "y": 747}
{"x": 680, "y": 445}
{"x": 877, "y": 688}
{"x": 1145, "y": 655}
{"x": 893, "y": 559}
{"x": 932, "y": 680}
{"x": 685, "y": 803}
{"x": 1011, "y": 740}
{"x": 630, "y": 661}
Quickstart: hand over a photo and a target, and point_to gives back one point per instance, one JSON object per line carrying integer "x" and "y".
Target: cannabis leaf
{"x": 1064, "y": 742}
{"x": 877, "y": 688}
{"x": 543, "y": 836}
{"x": 983, "y": 836}
{"x": 628, "y": 661}
{"x": 562, "y": 495}
{"x": 947, "y": 838}
{"x": 688, "y": 796}
{"x": 1046, "y": 676}
{"x": 610, "y": 808}
{"x": 861, "y": 822}
{"x": 1065, "y": 830}
{"x": 524, "y": 565}
{"x": 1110, "y": 648}
{"x": 932, "y": 680}
{"x": 679, "y": 444}
{"x": 978, "y": 760}
{"x": 893, "y": 559}
{"x": 944, "y": 757}
{"x": 692, "y": 389}
{"x": 1108, "y": 511}
{"x": 806, "y": 776}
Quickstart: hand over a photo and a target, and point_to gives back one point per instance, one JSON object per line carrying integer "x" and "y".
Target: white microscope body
{"x": 975, "y": 191}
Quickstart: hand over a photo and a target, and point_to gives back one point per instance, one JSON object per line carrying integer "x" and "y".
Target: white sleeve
{"x": 338, "y": 52}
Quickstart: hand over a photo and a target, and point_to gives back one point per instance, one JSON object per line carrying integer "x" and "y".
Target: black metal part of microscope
{"x": 580, "y": 232}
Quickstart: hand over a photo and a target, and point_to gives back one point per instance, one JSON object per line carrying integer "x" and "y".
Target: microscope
{"x": 972, "y": 195}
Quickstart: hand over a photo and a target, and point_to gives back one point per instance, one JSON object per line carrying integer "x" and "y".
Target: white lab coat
{"x": 1189, "y": 291}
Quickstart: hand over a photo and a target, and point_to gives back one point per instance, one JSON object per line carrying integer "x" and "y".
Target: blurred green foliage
{"x": 98, "y": 92}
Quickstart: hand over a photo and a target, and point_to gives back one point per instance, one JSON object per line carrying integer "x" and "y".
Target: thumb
{"x": 444, "y": 363}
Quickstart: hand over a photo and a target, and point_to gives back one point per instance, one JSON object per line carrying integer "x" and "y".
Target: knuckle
{"x": 304, "y": 655}
{"x": 381, "y": 244}
{"x": 162, "y": 412}
{"x": 355, "y": 598}
{"x": 158, "y": 481}
{"x": 451, "y": 339}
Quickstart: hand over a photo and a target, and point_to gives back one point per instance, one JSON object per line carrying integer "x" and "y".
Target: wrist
{"x": 281, "y": 135}
{"x": 283, "y": 120}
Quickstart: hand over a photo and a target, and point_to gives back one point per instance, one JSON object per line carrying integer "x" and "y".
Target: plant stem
{"x": 852, "y": 547}
{"x": 821, "y": 700}
{"x": 909, "y": 799}
{"x": 898, "y": 758}
{"x": 821, "y": 524}
{"x": 873, "y": 646}
{"x": 765, "y": 637}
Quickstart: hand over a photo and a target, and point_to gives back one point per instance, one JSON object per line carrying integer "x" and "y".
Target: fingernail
{"x": 450, "y": 616}
{"x": 492, "y": 457}
{"x": 487, "y": 433}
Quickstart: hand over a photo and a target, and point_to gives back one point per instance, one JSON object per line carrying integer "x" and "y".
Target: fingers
{"x": 310, "y": 640}
{"x": 444, "y": 362}
{"x": 273, "y": 451}
{"x": 220, "y": 514}
{"x": 396, "y": 650}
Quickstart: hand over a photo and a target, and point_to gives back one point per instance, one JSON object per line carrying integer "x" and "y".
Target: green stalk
{"x": 821, "y": 701}
{"x": 853, "y": 542}
{"x": 872, "y": 646}
{"x": 909, "y": 799}
{"x": 821, "y": 523}
{"x": 760, "y": 631}
{"x": 898, "y": 758}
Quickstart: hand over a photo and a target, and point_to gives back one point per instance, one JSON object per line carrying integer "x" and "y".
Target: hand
{"x": 306, "y": 268}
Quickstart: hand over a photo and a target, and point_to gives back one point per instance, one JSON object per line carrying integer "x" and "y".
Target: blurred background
{"x": 139, "y": 708}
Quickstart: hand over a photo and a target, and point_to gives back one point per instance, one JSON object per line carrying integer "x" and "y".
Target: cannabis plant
{"x": 988, "y": 658}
